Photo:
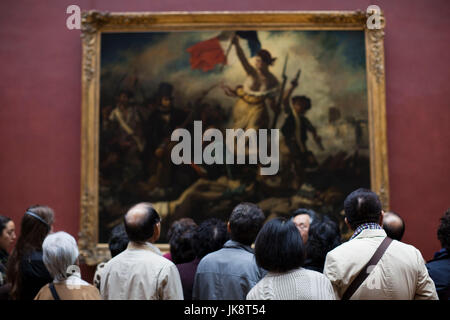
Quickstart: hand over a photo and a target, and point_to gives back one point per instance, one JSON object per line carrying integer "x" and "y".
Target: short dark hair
{"x": 210, "y": 236}
{"x": 302, "y": 100}
{"x": 3, "y": 222}
{"x": 118, "y": 240}
{"x": 245, "y": 222}
{"x": 143, "y": 229}
{"x": 323, "y": 236}
{"x": 182, "y": 247}
{"x": 279, "y": 246}
{"x": 179, "y": 226}
{"x": 362, "y": 206}
{"x": 181, "y": 235}
{"x": 311, "y": 213}
{"x": 394, "y": 232}
{"x": 443, "y": 232}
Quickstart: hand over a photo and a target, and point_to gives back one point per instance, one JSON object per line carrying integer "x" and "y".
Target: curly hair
{"x": 323, "y": 237}
{"x": 245, "y": 222}
{"x": 181, "y": 234}
{"x": 118, "y": 241}
{"x": 443, "y": 232}
{"x": 210, "y": 236}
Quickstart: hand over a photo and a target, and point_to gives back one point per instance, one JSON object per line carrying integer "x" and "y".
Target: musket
{"x": 280, "y": 97}
{"x": 295, "y": 80}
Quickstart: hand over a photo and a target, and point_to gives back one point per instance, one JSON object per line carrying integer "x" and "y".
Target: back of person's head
{"x": 182, "y": 247}
{"x": 443, "y": 232}
{"x": 60, "y": 251}
{"x": 245, "y": 222}
{"x": 118, "y": 240}
{"x": 324, "y": 236}
{"x": 279, "y": 246}
{"x": 210, "y": 236}
{"x": 140, "y": 222}
{"x": 362, "y": 206}
{"x": 180, "y": 226}
{"x": 394, "y": 225}
{"x": 181, "y": 238}
{"x": 35, "y": 226}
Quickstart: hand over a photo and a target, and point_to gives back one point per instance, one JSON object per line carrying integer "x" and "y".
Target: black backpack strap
{"x": 53, "y": 291}
{"x": 363, "y": 274}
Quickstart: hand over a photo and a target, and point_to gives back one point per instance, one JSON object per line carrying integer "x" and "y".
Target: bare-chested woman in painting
{"x": 258, "y": 91}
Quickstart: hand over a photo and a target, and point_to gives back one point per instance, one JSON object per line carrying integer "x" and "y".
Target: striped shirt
{"x": 297, "y": 284}
{"x": 364, "y": 226}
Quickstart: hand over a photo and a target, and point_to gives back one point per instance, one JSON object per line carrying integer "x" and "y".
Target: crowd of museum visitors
{"x": 249, "y": 257}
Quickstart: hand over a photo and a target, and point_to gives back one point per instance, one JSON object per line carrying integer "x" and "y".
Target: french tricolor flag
{"x": 205, "y": 55}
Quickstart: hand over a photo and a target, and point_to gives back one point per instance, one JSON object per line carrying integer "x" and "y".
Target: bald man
{"x": 141, "y": 272}
{"x": 393, "y": 225}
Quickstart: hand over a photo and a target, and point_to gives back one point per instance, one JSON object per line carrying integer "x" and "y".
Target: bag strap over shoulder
{"x": 363, "y": 274}
{"x": 53, "y": 291}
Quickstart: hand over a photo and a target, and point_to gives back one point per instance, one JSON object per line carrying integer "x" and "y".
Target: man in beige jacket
{"x": 141, "y": 272}
{"x": 399, "y": 275}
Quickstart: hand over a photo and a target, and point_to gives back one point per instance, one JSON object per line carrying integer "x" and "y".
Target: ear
{"x": 156, "y": 233}
{"x": 381, "y": 218}
{"x": 347, "y": 223}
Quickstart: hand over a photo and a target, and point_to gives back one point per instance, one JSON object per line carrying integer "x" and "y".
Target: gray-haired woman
{"x": 60, "y": 255}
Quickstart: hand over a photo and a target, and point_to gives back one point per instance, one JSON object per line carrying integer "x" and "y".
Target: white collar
{"x": 144, "y": 246}
{"x": 73, "y": 281}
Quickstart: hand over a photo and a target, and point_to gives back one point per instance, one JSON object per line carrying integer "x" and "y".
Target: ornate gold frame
{"x": 94, "y": 23}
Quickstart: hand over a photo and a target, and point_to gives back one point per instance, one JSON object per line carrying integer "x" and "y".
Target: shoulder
{"x": 34, "y": 256}
{"x": 92, "y": 291}
{"x": 209, "y": 259}
{"x": 342, "y": 249}
{"x": 437, "y": 268}
{"x": 254, "y": 293}
{"x": 400, "y": 249}
{"x": 33, "y": 265}
{"x": 139, "y": 257}
{"x": 273, "y": 79}
{"x": 214, "y": 260}
{"x": 43, "y": 294}
{"x": 317, "y": 276}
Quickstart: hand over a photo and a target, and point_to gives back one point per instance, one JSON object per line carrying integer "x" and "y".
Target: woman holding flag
{"x": 259, "y": 90}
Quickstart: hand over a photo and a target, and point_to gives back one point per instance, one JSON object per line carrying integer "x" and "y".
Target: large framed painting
{"x": 159, "y": 90}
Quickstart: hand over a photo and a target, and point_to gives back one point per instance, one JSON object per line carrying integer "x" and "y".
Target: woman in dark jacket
{"x": 26, "y": 270}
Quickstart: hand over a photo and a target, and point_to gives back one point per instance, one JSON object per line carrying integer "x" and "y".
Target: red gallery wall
{"x": 40, "y": 89}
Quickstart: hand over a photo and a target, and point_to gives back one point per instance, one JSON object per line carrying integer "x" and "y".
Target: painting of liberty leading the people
{"x": 311, "y": 85}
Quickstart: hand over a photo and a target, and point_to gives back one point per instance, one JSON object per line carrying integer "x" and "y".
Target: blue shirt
{"x": 439, "y": 271}
{"x": 227, "y": 274}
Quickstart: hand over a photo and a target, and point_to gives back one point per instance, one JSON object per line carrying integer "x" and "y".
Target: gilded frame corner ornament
{"x": 95, "y": 22}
